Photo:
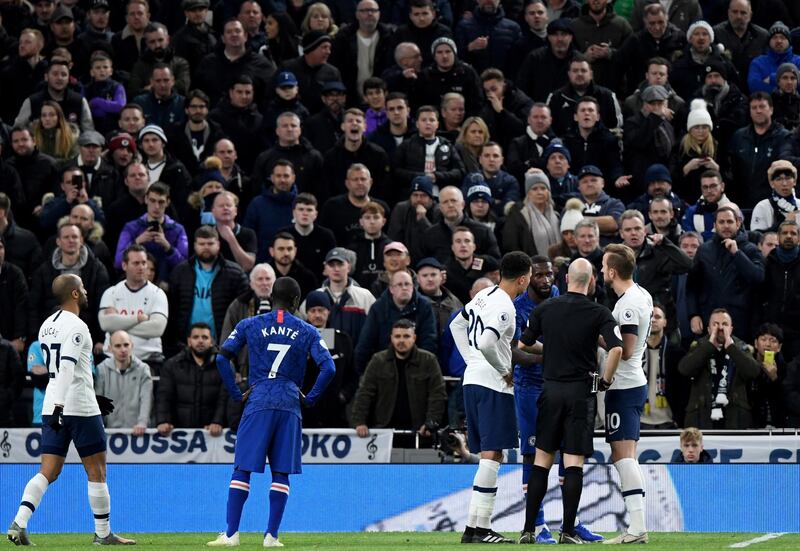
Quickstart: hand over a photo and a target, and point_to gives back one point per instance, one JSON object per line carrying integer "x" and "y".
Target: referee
{"x": 570, "y": 326}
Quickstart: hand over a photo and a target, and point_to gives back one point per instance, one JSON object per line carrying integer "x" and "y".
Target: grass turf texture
{"x": 386, "y": 541}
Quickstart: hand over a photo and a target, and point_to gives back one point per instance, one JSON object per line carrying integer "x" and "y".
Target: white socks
{"x": 630, "y": 476}
{"x": 100, "y": 502}
{"x": 31, "y": 496}
{"x": 484, "y": 493}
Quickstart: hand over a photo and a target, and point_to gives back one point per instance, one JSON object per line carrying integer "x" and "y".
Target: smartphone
{"x": 153, "y": 226}
{"x": 769, "y": 357}
{"x": 77, "y": 181}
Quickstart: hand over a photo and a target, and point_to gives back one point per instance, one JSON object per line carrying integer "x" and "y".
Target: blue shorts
{"x": 525, "y": 398}
{"x": 271, "y": 434}
{"x": 491, "y": 419}
{"x": 87, "y": 433}
{"x": 624, "y": 413}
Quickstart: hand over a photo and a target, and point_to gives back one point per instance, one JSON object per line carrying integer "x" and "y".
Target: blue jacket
{"x": 375, "y": 333}
{"x": 164, "y": 113}
{"x": 720, "y": 279}
{"x": 505, "y": 189}
{"x": 766, "y": 67}
{"x": 503, "y": 33}
{"x": 266, "y": 214}
{"x": 450, "y": 359}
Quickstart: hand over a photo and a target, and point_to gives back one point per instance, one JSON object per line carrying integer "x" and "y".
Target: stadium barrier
{"x": 349, "y": 498}
{"x": 343, "y": 446}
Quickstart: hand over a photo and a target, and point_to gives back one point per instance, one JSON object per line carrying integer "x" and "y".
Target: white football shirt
{"x": 491, "y": 310}
{"x": 67, "y": 349}
{"x": 633, "y": 309}
{"x": 149, "y": 300}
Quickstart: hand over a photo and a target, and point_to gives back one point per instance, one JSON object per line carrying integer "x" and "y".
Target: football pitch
{"x": 385, "y": 541}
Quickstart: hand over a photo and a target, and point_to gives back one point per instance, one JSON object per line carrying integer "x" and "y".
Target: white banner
{"x": 198, "y": 446}
{"x": 761, "y": 448}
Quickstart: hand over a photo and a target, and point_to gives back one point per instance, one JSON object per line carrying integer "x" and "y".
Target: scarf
{"x": 661, "y": 374}
{"x": 721, "y": 376}
{"x": 544, "y": 226}
{"x": 782, "y": 206}
{"x": 715, "y": 95}
{"x": 787, "y": 257}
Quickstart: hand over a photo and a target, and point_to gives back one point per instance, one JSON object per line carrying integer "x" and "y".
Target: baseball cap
{"x": 395, "y": 246}
{"x": 590, "y": 170}
{"x": 100, "y": 5}
{"x": 337, "y": 254}
{"x": 286, "y": 78}
{"x": 62, "y": 12}
{"x": 91, "y": 137}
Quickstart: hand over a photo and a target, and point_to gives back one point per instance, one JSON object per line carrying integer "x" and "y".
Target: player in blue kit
{"x": 528, "y": 382}
{"x": 279, "y": 344}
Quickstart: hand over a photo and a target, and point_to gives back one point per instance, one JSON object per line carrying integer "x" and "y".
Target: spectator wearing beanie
{"x": 532, "y": 225}
{"x": 121, "y": 152}
{"x": 697, "y": 151}
{"x": 448, "y": 74}
{"x": 557, "y": 160}
{"x": 763, "y": 75}
{"x": 785, "y": 99}
{"x": 688, "y": 68}
{"x": 479, "y": 205}
{"x": 312, "y": 69}
{"x": 568, "y": 246}
{"x": 410, "y": 218}
{"x": 724, "y": 101}
{"x": 659, "y": 186}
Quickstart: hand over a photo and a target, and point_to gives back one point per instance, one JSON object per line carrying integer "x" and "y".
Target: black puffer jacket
{"x": 14, "y": 301}
{"x": 462, "y": 78}
{"x": 216, "y": 72}
{"x": 229, "y": 283}
{"x": 189, "y": 395}
{"x": 12, "y": 377}
{"x": 779, "y": 295}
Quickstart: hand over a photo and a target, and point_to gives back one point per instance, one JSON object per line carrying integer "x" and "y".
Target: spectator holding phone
{"x": 73, "y": 192}
{"x": 159, "y": 234}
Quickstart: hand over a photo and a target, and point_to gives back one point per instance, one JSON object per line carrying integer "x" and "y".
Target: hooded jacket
{"x": 762, "y": 76}
{"x": 307, "y": 163}
{"x": 266, "y": 214}
{"x": 216, "y": 71}
{"x": 502, "y": 32}
{"x": 143, "y": 69}
{"x": 190, "y": 395}
{"x": 131, "y": 390}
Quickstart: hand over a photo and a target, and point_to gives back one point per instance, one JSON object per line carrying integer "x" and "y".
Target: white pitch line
{"x": 759, "y": 539}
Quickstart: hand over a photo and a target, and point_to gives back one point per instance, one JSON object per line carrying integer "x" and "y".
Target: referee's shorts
{"x": 566, "y": 418}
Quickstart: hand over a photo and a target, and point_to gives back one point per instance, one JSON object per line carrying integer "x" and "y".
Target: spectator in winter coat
{"x": 162, "y": 104}
{"x": 785, "y": 99}
{"x": 106, "y": 96}
{"x": 545, "y": 69}
{"x": 779, "y": 294}
{"x": 486, "y": 39}
{"x": 782, "y": 205}
{"x": 763, "y": 70}
{"x": 506, "y": 108}
{"x": 527, "y": 150}
{"x": 700, "y": 216}
{"x": 448, "y": 74}
{"x": 272, "y": 210}
{"x": 190, "y": 392}
{"x": 418, "y": 25}
{"x": 598, "y": 32}
{"x": 591, "y": 143}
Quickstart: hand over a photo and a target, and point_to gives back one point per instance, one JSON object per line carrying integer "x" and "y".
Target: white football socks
{"x": 31, "y": 496}
{"x": 632, "y": 481}
{"x": 484, "y": 493}
{"x": 100, "y": 502}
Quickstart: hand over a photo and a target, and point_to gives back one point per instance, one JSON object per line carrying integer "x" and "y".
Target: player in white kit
{"x": 483, "y": 334}
{"x": 71, "y": 413}
{"x": 626, "y": 397}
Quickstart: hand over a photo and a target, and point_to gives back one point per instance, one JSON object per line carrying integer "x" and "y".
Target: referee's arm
{"x": 527, "y": 342}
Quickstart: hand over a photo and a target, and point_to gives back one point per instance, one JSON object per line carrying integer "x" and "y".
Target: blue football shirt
{"x": 279, "y": 345}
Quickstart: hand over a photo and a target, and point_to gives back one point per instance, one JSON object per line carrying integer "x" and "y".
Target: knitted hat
{"x": 318, "y": 298}
{"x": 779, "y": 27}
{"x": 716, "y": 65}
{"x": 700, "y": 24}
{"x": 573, "y": 213}
{"x": 556, "y": 146}
{"x": 787, "y": 68}
{"x": 423, "y": 184}
{"x": 212, "y": 173}
{"x": 536, "y": 178}
{"x": 123, "y": 139}
{"x": 657, "y": 173}
{"x": 153, "y": 129}
{"x": 313, "y": 40}
{"x": 698, "y": 115}
{"x": 560, "y": 25}
{"x": 480, "y": 191}
{"x": 444, "y": 40}
{"x": 780, "y": 166}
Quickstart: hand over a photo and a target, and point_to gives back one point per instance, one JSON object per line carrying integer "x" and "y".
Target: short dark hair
{"x": 285, "y": 235}
{"x": 514, "y": 264}
{"x": 134, "y": 106}
{"x": 200, "y": 325}
{"x": 243, "y": 79}
{"x": 373, "y": 83}
{"x": 492, "y": 73}
{"x": 587, "y": 99}
{"x": 770, "y": 329}
{"x": 159, "y": 188}
{"x": 426, "y": 109}
{"x": 711, "y": 173}
{"x": 397, "y": 95}
{"x": 305, "y": 199}
{"x": 404, "y": 323}
{"x": 540, "y": 259}
{"x": 206, "y": 232}
{"x": 161, "y": 66}
{"x": 283, "y": 162}
{"x": 421, "y": 4}
{"x": 726, "y": 208}
{"x": 760, "y": 96}
{"x": 197, "y": 94}
{"x": 19, "y": 128}
{"x": 659, "y": 61}
{"x": 134, "y": 248}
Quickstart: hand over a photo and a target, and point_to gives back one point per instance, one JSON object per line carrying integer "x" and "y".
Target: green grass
{"x": 439, "y": 541}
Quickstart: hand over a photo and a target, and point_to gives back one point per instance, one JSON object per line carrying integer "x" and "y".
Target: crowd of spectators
{"x": 181, "y": 155}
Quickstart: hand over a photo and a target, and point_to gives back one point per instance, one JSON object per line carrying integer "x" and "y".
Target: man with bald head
{"x": 70, "y": 414}
{"x": 437, "y": 239}
{"x": 570, "y": 325}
